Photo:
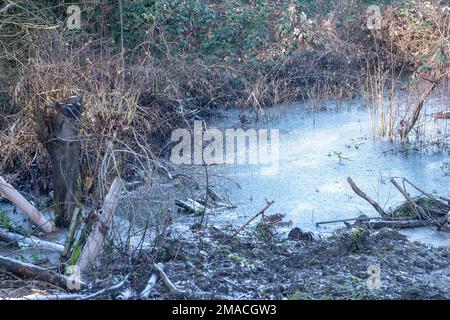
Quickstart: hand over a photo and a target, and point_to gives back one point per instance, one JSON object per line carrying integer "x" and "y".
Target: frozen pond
{"x": 318, "y": 151}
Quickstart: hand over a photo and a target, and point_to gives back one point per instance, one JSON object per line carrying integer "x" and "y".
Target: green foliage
{"x": 285, "y": 27}
{"x": 179, "y": 24}
{"x": 5, "y": 220}
{"x": 195, "y": 27}
{"x": 223, "y": 249}
{"x": 236, "y": 258}
{"x": 441, "y": 57}
{"x": 299, "y": 296}
{"x": 242, "y": 28}
{"x": 75, "y": 254}
{"x": 199, "y": 212}
{"x": 263, "y": 232}
{"x": 36, "y": 257}
{"x": 357, "y": 234}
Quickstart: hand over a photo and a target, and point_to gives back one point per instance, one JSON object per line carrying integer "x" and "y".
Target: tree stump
{"x": 60, "y": 131}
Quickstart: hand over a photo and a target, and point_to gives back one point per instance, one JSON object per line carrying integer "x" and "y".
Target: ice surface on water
{"x": 311, "y": 185}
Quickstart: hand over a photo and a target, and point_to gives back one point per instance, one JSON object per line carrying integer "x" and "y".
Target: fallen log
{"x": 395, "y": 224}
{"x": 169, "y": 285}
{"x": 344, "y": 220}
{"x": 34, "y": 272}
{"x": 360, "y": 193}
{"x": 77, "y": 296}
{"x": 12, "y": 238}
{"x": 444, "y": 199}
{"x": 191, "y": 206}
{"x": 443, "y": 222}
{"x": 163, "y": 170}
{"x": 95, "y": 240}
{"x": 32, "y": 213}
{"x": 219, "y": 202}
{"x": 214, "y": 195}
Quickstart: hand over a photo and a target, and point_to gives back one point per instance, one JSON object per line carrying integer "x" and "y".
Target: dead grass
{"x": 411, "y": 53}
{"x": 131, "y": 102}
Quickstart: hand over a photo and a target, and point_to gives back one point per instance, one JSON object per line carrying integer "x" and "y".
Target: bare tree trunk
{"x": 64, "y": 146}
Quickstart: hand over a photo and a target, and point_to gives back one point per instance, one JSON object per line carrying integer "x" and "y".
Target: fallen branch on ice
{"x": 33, "y": 214}
{"x": 191, "y": 206}
{"x": 344, "y": 220}
{"x": 395, "y": 224}
{"x": 253, "y": 218}
{"x": 360, "y": 193}
{"x": 219, "y": 202}
{"x": 31, "y": 241}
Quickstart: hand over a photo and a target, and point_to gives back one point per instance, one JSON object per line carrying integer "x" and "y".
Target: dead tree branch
{"x": 184, "y": 293}
{"x": 253, "y": 218}
{"x": 399, "y": 224}
{"x": 32, "y": 271}
{"x": 418, "y": 209}
{"x": 360, "y": 193}
{"x": 16, "y": 198}
{"x": 12, "y": 238}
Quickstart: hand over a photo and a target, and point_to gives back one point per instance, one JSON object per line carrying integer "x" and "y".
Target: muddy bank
{"x": 209, "y": 263}
{"x": 336, "y": 267}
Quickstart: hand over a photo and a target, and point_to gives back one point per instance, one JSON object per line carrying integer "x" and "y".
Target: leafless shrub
{"x": 413, "y": 39}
